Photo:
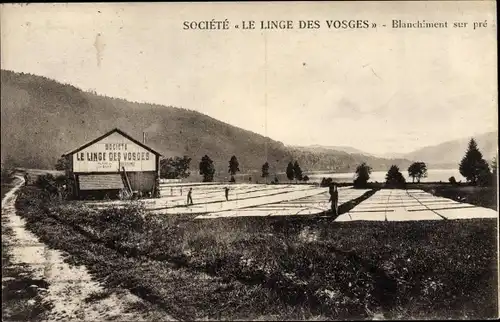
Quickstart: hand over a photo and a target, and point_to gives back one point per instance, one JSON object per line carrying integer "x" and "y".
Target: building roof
{"x": 100, "y": 182}
{"x": 107, "y": 134}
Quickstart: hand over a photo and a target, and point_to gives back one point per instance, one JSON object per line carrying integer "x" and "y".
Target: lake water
{"x": 433, "y": 175}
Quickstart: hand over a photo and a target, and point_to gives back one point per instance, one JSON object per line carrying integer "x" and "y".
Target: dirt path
{"x": 57, "y": 290}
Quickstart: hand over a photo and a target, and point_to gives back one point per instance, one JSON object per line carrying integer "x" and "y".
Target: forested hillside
{"x": 42, "y": 118}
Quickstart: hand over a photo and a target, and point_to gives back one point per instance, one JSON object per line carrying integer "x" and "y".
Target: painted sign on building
{"x": 112, "y": 153}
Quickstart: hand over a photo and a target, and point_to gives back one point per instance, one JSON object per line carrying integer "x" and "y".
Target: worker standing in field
{"x": 334, "y": 198}
{"x": 26, "y": 178}
{"x": 189, "y": 197}
{"x": 226, "y": 190}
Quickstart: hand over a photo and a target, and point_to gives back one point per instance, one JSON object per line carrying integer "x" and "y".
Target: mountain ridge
{"x": 443, "y": 153}
{"x": 43, "y": 118}
{"x": 323, "y": 148}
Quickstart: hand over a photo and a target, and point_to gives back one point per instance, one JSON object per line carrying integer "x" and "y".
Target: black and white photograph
{"x": 251, "y": 161}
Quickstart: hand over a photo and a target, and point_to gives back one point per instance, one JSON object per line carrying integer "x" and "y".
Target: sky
{"x": 380, "y": 90}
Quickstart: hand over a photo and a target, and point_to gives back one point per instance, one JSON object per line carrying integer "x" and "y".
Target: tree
{"x": 290, "y": 174}
{"x": 485, "y": 175}
{"x": 167, "y": 170}
{"x": 175, "y": 168}
{"x": 207, "y": 169}
{"x": 297, "y": 171}
{"x": 233, "y": 167}
{"x": 305, "y": 178}
{"x": 265, "y": 170}
{"x": 62, "y": 164}
{"x": 394, "y": 177}
{"x": 494, "y": 176}
{"x": 472, "y": 166}
{"x": 417, "y": 170}
{"x": 363, "y": 172}
{"x": 494, "y": 166}
{"x": 182, "y": 165}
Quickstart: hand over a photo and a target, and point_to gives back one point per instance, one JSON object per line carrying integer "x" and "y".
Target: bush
{"x": 157, "y": 188}
{"x": 128, "y": 218}
{"x": 6, "y": 175}
{"x": 326, "y": 182}
{"x": 50, "y": 183}
{"x": 360, "y": 183}
{"x": 46, "y": 182}
{"x": 485, "y": 179}
{"x": 452, "y": 180}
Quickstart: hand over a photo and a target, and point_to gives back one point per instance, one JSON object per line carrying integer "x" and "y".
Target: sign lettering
{"x": 111, "y": 154}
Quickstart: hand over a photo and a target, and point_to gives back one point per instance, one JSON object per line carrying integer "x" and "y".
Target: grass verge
{"x": 21, "y": 293}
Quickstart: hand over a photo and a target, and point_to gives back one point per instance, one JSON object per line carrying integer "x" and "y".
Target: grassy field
{"x": 479, "y": 196}
{"x": 279, "y": 268}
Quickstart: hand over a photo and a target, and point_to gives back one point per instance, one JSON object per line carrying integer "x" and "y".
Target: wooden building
{"x": 111, "y": 164}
